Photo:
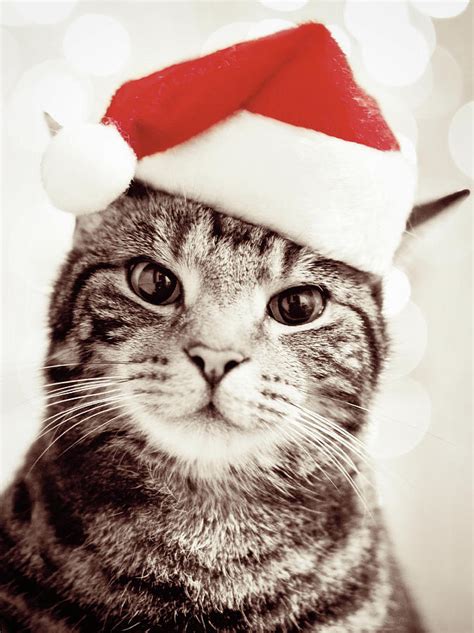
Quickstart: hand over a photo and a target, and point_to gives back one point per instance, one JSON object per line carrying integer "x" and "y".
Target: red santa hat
{"x": 274, "y": 131}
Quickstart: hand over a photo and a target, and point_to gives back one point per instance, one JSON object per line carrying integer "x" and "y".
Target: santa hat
{"x": 274, "y": 131}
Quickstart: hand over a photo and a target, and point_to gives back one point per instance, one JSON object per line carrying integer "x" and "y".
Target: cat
{"x": 201, "y": 464}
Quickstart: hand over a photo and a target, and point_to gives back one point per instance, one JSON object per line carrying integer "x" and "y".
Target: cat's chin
{"x": 208, "y": 443}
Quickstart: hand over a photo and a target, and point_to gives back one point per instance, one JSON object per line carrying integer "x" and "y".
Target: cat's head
{"x": 220, "y": 342}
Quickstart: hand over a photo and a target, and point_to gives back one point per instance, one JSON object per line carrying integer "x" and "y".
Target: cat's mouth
{"x": 211, "y": 411}
{"x": 213, "y": 415}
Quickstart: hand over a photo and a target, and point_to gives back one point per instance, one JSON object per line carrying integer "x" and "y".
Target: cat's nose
{"x": 214, "y": 364}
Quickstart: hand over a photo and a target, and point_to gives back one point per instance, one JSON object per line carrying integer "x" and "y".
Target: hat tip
{"x": 86, "y": 167}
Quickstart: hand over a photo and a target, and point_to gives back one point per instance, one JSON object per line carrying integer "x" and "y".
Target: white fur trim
{"x": 87, "y": 167}
{"x": 346, "y": 200}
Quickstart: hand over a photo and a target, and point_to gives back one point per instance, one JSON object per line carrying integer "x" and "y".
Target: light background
{"x": 416, "y": 57}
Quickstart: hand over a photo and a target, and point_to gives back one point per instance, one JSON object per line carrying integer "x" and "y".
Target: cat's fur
{"x": 134, "y": 513}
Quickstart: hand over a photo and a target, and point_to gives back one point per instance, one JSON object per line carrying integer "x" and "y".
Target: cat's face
{"x": 210, "y": 355}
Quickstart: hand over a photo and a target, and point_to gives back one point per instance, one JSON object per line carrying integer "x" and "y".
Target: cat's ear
{"x": 421, "y": 217}
{"x": 422, "y": 213}
{"x": 53, "y": 126}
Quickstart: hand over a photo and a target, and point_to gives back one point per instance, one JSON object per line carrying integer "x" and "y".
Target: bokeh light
{"x": 45, "y": 12}
{"x": 97, "y": 45}
{"x": 396, "y": 291}
{"x": 447, "y": 86}
{"x": 225, "y": 36}
{"x": 10, "y": 16}
{"x": 400, "y": 118}
{"x": 367, "y": 21}
{"x": 284, "y": 5}
{"x": 408, "y": 334}
{"x": 461, "y": 138}
{"x": 48, "y": 87}
{"x": 236, "y": 32}
{"x": 441, "y": 8}
{"x": 399, "y": 58}
{"x": 424, "y": 24}
{"x": 415, "y": 95}
{"x": 408, "y": 148}
{"x": 10, "y": 52}
{"x": 400, "y": 418}
{"x": 39, "y": 269}
{"x": 267, "y": 27}
{"x": 23, "y": 425}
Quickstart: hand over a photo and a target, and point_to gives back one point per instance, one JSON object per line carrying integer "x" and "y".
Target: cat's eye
{"x": 298, "y": 305}
{"x": 154, "y": 283}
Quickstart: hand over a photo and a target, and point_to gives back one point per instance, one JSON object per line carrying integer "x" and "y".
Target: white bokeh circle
{"x": 399, "y": 419}
{"x": 396, "y": 291}
{"x": 398, "y": 59}
{"x": 10, "y": 16}
{"x": 441, "y": 8}
{"x": 447, "y": 86}
{"x": 225, "y": 36}
{"x": 408, "y": 334}
{"x": 461, "y": 138}
{"x": 237, "y": 32}
{"x": 45, "y": 234}
{"x": 97, "y": 45}
{"x": 415, "y": 95}
{"x": 47, "y": 87}
{"x": 284, "y": 5}
{"x": 400, "y": 118}
{"x": 267, "y": 27}
{"x": 24, "y": 422}
{"x": 45, "y": 12}
{"x": 374, "y": 20}
{"x": 424, "y": 24}
{"x": 11, "y": 60}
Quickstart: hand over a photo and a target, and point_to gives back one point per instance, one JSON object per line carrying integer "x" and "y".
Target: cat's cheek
{"x": 237, "y": 394}
{"x": 254, "y": 398}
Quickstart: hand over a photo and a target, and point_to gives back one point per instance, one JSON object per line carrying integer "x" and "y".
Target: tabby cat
{"x": 201, "y": 463}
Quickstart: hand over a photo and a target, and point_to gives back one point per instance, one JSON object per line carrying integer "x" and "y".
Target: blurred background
{"x": 67, "y": 58}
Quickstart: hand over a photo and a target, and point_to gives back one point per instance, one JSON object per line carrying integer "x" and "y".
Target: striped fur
{"x": 133, "y": 512}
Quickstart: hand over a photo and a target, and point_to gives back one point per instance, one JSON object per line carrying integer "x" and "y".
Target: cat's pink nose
{"x": 214, "y": 364}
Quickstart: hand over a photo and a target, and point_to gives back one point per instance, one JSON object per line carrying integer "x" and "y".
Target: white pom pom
{"x": 87, "y": 167}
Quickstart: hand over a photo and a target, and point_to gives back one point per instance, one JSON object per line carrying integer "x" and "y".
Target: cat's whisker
{"x": 332, "y": 439}
{"x": 328, "y": 450}
{"x": 64, "y": 416}
{"x": 76, "y": 424}
{"x": 334, "y": 430}
{"x": 288, "y": 433}
{"x": 90, "y": 364}
{"x": 335, "y": 443}
{"x": 339, "y": 434}
{"x": 360, "y": 448}
{"x": 81, "y": 396}
{"x": 55, "y": 393}
{"x": 92, "y": 406}
{"x": 94, "y": 430}
{"x": 85, "y": 405}
{"x": 338, "y": 427}
{"x": 81, "y": 380}
{"x": 384, "y": 416}
{"x": 342, "y": 438}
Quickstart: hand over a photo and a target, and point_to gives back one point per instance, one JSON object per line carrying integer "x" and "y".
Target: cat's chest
{"x": 206, "y": 545}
